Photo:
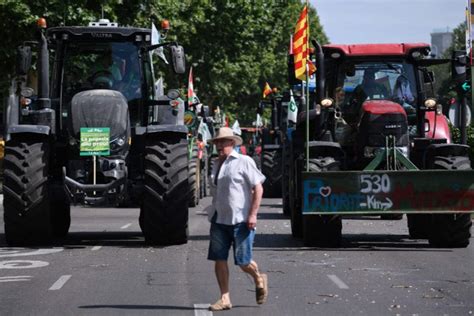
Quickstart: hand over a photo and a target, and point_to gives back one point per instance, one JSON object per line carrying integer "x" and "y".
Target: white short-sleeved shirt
{"x": 232, "y": 198}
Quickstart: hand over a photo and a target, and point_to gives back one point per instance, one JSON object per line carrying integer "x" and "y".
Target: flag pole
{"x": 469, "y": 27}
{"x": 307, "y": 87}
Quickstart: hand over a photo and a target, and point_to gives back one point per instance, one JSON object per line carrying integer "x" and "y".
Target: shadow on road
{"x": 154, "y": 307}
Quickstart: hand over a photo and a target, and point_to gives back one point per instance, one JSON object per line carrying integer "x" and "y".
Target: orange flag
{"x": 300, "y": 45}
{"x": 311, "y": 68}
{"x": 266, "y": 90}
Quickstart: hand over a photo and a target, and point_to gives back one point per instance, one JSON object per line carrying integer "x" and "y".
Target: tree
{"x": 234, "y": 46}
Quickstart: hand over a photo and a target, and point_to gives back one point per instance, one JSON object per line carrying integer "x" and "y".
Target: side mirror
{"x": 23, "y": 62}
{"x": 260, "y": 108}
{"x": 172, "y": 94}
{"x": 428, "y": 77}
{"x": 177, "y": 56}
{"x": 458, "y": 66}
{"x": 205, "y": 110}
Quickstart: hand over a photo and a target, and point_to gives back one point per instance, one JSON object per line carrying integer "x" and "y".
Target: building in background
{"x": 441, "y": 39}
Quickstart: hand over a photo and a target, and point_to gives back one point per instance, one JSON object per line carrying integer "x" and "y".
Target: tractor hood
{"x": 102, "y": 108}
{"x": 380, "y": 107}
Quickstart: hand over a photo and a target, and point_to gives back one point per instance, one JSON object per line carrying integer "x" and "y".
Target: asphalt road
{"x": 104, "y": 268}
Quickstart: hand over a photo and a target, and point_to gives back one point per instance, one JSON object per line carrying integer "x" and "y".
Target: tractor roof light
{"x": 165, "y": 25}
{"x": 430, "y": 103}
{"x": 335, "y": 55}
{"x": 41, "y": 23}
{"x": 416, "y": 54}
{"x": 327, "y": 102}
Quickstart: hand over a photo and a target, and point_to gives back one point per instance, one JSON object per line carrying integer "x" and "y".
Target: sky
{"x": 385, "y": 21}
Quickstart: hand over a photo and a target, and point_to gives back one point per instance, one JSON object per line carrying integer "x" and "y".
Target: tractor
{"x": 378, "y": 143}
{"x": 97, "y": 132}
{"x": 195, "y": 119}
{"x": 271, "y": 153}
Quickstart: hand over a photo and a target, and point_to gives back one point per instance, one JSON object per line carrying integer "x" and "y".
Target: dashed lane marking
{"x": 60, "y": 283}
{"x": 95, "y": 248}
{"x": 202, "y": 310}
{"x": 126, "y": 226}
{"x": 338, "y": 281}
{"x": 15, "y": 278}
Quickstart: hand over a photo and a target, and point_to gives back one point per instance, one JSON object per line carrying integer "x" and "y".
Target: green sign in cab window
{"x": 95, "y": 141}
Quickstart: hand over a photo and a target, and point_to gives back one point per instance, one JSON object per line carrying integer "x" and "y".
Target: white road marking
{"x": 202, "y": 310}
{"x": 22, "y": 264}
{"x": 60, "y": 282}
{"x": 15, "y": 278}
{"x": 338, "y": 281}
{"x": 95, "y": 248}
{"x": 16, "y": 252}
{"x": 126, "y": 226}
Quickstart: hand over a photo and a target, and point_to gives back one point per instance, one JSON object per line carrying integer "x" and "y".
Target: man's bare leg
{"x": 252, "y": 269}
{"x": 222, "y": 275}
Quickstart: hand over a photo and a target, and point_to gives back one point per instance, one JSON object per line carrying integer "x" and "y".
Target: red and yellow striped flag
{"x": 266, "y": 90}
{"x": 300, "y": 45}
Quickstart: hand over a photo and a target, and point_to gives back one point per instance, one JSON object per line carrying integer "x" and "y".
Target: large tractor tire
{"x": 322, "y": 230}
{"x": 204, "y": 189}
{"x": 164, "y": 209}
{"x": 194, "y": 173}
{"x": 296, "y": 217}
{"x": 60, "y": 211}
{"x": 451, "y": 230}
{"x": 419, "y": 225}
{"x": 285, "y": 194}
{"x": 26, "y": 193}
{"x": 272, "y": 169}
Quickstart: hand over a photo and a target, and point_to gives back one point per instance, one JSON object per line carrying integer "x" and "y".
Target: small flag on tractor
{"x": 300, "y": 45}
{"x": 292, "y": 109}
{"x": 191, "y": 95}
{"x": 266, "y": 90}
{"x": 311, "y": 68}
{"x": 236, "y": 128}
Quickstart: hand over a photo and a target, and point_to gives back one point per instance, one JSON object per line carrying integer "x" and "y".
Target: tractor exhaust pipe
{"x": 320, "y": 75}
{"x": 43, "y": 70}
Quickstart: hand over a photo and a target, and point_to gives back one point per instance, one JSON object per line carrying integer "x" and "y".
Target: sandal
{"x": 219, "y": 306}
{"x": 262, "y": 292}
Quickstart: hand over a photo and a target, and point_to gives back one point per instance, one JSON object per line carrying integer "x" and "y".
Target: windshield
{"x": 101, "y": 66}
{"x": 375, "y": 80}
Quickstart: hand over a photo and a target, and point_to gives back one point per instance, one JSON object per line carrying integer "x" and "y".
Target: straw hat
{"x": 227, "y": 133}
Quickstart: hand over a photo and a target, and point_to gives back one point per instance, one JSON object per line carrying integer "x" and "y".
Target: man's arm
{"x": 257, "y": 194}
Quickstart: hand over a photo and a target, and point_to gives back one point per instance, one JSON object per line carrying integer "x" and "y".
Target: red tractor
{"x": 378, "y": 144}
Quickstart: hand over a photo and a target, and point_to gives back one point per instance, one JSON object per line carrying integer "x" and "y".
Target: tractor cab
{"x": 379, "y": 91}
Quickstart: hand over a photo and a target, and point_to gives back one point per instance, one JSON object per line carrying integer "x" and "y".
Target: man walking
{"x": 237, "y": 191}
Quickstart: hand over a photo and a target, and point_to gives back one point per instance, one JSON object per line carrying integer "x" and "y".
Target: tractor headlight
{"x": 430, "y": 103}
{"x": 327, "y": 102}
{"x": 117, "y": 143}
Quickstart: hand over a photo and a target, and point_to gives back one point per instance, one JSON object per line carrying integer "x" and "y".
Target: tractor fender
{"x": 444, "y": 150}
{"x": 438, "y": 126}
{"x": 31, "y": 129}
{"x": 153, "y": 129}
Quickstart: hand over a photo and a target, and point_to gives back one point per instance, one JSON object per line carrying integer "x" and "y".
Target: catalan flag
{"x": 300, "y": 45}
{"x": 266, "y": 90}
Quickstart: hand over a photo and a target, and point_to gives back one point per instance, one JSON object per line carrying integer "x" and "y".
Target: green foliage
{"x": 444, "y": 86}
{"x": 233, "y": 46}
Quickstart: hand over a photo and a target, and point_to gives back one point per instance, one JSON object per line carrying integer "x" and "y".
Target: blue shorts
{"x": 238, "y": 236}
